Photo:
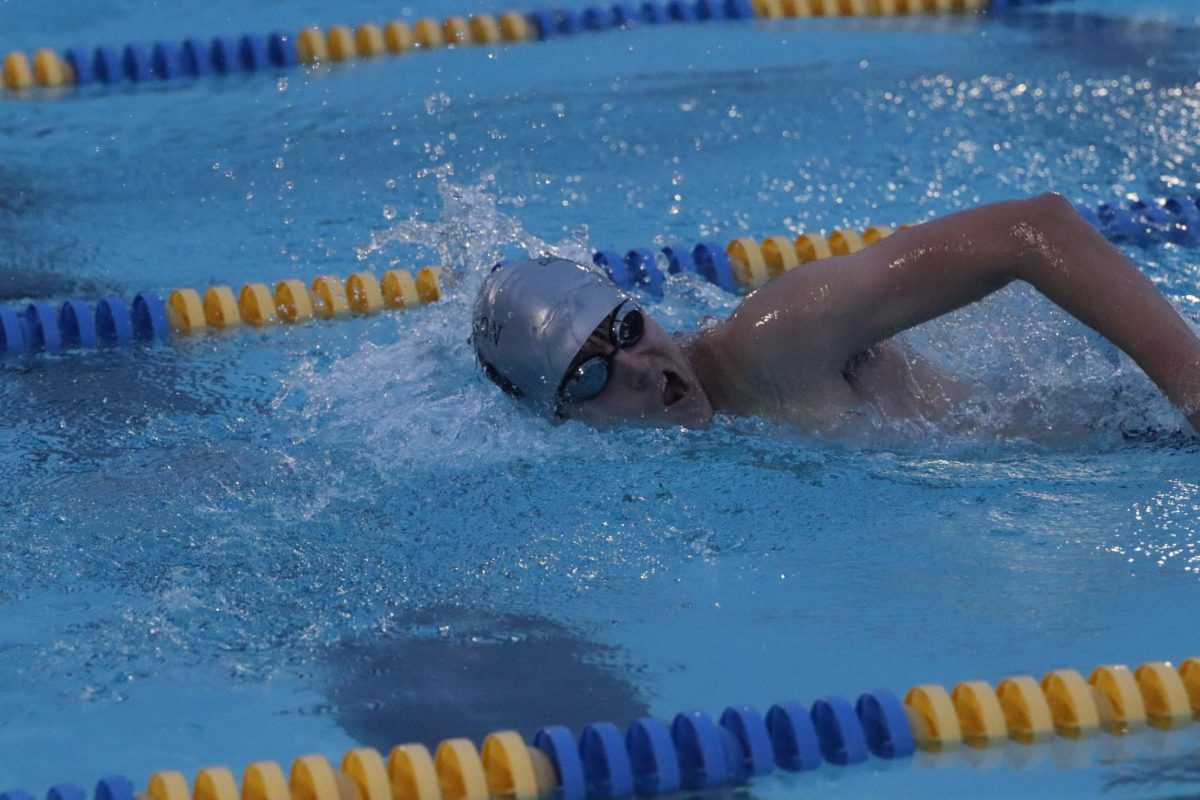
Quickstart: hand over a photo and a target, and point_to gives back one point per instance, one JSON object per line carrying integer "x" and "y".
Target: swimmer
{"x": 815, "y": 344}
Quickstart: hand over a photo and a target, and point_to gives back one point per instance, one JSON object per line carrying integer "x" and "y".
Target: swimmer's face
{"x": 650, "y": 383}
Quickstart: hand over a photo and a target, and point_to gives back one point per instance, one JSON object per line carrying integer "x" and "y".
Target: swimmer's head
{"x": 566, "y": 339}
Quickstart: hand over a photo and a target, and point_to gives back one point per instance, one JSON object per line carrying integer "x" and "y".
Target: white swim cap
{"x": 533, "y": 317}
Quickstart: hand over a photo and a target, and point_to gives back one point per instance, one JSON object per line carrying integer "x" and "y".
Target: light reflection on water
{"x": 241, "y": 507}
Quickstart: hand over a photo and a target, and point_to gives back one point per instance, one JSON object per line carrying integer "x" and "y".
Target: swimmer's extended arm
{"x": 850, "y": 303}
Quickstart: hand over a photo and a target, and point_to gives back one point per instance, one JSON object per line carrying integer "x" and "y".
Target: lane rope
{"x": 138, "y": 63}
{"x": 75, "y": 324}
{"x": 743, "y": 264}
{"x": 696, "y": 752}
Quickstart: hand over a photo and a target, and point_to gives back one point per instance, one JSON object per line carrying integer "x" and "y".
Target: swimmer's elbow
{"x": 1046, "y": 224}
{"x": 1051, "y": 208}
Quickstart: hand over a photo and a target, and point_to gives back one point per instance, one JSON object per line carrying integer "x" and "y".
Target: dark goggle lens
{"x": 588, "y": 380}
{"x": 628, "y": 326}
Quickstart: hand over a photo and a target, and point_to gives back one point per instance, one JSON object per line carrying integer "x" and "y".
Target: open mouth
{"x": 674, "y": 388}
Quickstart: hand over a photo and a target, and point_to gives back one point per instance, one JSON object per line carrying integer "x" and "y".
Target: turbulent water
{"x": 270, "y": 542}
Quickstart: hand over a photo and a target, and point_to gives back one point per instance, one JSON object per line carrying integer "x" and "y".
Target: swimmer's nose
{"x": 635, "y": 370}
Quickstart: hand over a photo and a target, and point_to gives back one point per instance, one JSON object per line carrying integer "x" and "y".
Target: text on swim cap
{"x": 489, "y": 329}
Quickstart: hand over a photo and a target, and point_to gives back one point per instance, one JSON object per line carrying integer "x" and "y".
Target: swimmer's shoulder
{"x": 780, "y": 340}
{"x": 748, "y": 373}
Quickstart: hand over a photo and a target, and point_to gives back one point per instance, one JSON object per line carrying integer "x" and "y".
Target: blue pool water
{"x": 263, "y": 544}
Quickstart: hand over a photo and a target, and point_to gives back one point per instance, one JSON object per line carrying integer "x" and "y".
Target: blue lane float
{"x": 679, "y": 259}
{"x": 543, "y": 24}
{"x": 643, "y": 263}
{"x": 885, "y": 725}
{"x": 754, "y": 756}
{"x": 77, "y": 324}
{"x": 793, "y": 737}
{"x": 282, "y": 50}
{"x": 12, "y": 332}
{"x": 148, "y": 317}
{"x": 613, "y": 263}
{"x": 1174, "y": 219}
{"x": 680, "y": 11}
{"x": 702, "y": 757}
{"x": 136, "y": 63}
{"x": 842, "y": 738}
{"x": 607, "y": 770}
{"x": 712, "y": 263}
{"x": 1185, "y": 210}
{"x": 80, "y": 63}
{"x": 253, "y": 52}
{"x": 167, "y": 61}
{"x": 114, "y": 325}
{"x": 106, "y": 65}
{"x": 652, "y": 756}
{"x": 568, "y": 21}
{"x": 624, "y": 15}
{"x": 114, "y": 788}
{"x": 559, "y": 746}
{"x": 196, "y": 59}
{"x": 41, "y": 327}
{"x": 596, "y": 18}
{"x": 654, "y": 13}
{"x": 224, "y": 55}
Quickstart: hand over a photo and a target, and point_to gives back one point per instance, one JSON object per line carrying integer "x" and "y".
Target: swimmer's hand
{"x": 806, "y": 325}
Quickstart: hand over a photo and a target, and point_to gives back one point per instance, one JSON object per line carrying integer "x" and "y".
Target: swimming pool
{"x": 262, "y": 544}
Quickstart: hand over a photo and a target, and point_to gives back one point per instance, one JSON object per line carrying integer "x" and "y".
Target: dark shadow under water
{"x": 27, "y": 272}
{"x": 468, "y": 672}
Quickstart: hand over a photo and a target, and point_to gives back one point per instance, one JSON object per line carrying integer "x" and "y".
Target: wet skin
{"x": 655, "y": 384}
{"x": 814, "y": 345}
{"x": 651, "y": 383}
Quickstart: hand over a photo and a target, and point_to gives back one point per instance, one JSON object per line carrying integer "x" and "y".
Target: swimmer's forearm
{"x": 1073, "y": 265}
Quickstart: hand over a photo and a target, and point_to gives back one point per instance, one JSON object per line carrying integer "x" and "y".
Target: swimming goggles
{"x": 588, "y": 379}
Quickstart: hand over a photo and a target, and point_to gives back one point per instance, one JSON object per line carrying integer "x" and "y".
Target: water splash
{"x": 423, "y": 398}
{"x": 1041, "y": 377}
{"x": 470, "y": 234}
